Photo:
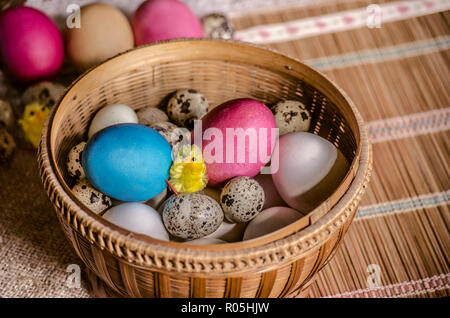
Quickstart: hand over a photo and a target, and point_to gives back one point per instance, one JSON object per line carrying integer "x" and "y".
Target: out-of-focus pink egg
{"x": 31, "y": 45}
{"x": 157, "y": 20}
{"x": 271, "y": 195}
{"x": 270, "y": 220}
{"x": 310, "y": 168}
{"x": 238, "y": 138}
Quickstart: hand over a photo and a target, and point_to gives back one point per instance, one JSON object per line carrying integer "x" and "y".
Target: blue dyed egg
{"x": 128, "y": 162}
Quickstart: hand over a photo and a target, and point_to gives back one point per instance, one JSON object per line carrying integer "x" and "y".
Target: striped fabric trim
{"x": 381, "y": 54}
{"x": 232, "y": 8}
{"x": 341, "y": 21}
{"x": 410, "y": 125}
{"x": 403, "y": 289}
{"x": 429, "y": 200}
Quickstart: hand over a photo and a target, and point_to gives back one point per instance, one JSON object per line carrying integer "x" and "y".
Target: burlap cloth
{"x": 397, "y": 75}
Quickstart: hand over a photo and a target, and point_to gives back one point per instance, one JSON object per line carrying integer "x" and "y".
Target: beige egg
{"x": 104, "y": 32}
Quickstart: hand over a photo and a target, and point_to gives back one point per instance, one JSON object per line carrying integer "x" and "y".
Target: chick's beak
{"x": 39, "y": 115}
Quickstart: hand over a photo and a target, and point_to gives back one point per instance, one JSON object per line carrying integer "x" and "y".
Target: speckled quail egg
{"x": 174, "y": 135}
{"x": 90, "y": 197}
{"x": 242, "y": 198}
{"x": 74, "y": 161}
{"x": 217, "y": 26}
{"x": 185, "y": 106}
{"x": 7, "y": 145}
{"x": 6, "y": 115}
{"x": 45, "y": 93}
{"x": 191, "y": 216}
{"x": 151, "y": 115}
{"x": 291, "y": 116}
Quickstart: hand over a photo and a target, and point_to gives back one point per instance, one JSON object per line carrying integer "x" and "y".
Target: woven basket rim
{"x": 144, "y": 250}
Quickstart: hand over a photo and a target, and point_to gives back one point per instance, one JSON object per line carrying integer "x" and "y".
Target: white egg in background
{"x": 270, "y": 220}
{"x": 112, "y": 115}
{"x": 139, "y": 218}
{"x": 310, "y": 168}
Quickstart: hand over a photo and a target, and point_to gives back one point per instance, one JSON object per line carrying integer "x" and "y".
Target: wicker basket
{"x": 279, "y": 264}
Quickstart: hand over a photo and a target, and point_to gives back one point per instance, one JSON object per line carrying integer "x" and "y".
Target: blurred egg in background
{"x": 104, "y": 32}
{"x": 32, "y": 46}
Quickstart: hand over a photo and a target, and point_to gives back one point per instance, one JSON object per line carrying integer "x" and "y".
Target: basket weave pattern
{"x": 280, "y": 264}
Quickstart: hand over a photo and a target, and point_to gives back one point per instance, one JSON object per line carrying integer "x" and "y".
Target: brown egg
{"x": 104, "y": 32}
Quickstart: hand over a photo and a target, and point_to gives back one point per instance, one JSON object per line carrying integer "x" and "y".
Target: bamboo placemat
{"x": 397, "y": 75}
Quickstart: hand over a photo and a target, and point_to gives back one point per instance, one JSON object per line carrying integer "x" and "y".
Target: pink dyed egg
{"x": 238, "y": 138}
{"x": 158, "y": 20}
{"x": 31, "y": 45}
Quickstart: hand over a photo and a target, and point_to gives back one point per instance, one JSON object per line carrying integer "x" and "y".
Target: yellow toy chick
{"x": 188, "y": 170}
{"x": 33, "y": 121}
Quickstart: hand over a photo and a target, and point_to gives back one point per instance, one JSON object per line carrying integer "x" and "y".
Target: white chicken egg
{"x": 139, "y": 218}
{"x": 112, "y": 115}
{"x": 308, "y": 169}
